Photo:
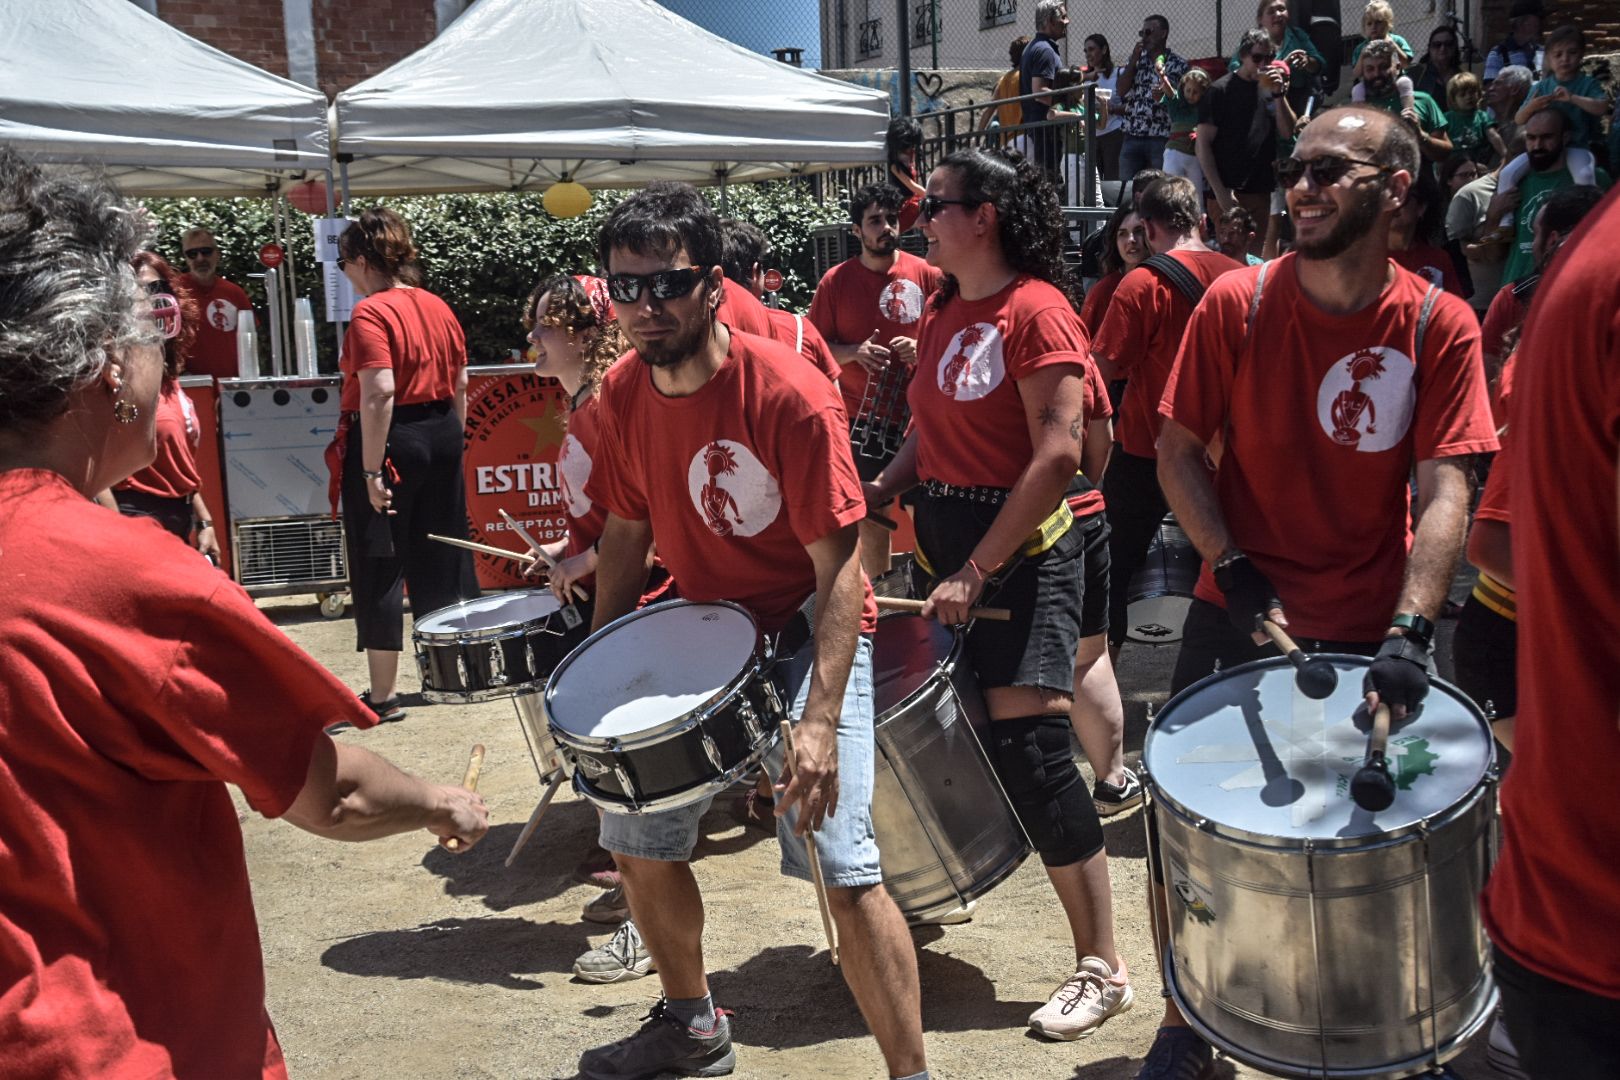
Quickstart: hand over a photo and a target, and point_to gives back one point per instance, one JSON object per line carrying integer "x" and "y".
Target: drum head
{"x": 906, "y": 653}
{"x": 495, "y": 612}
{"x": 650, "y": 668}
{"x": 1246, "y": 751}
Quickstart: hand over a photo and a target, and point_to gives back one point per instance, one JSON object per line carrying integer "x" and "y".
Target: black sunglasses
{"x": 1263, "y": 57}
{"x": 341, "y": 263}
{"x": 1325, "y": 171}
{"x": 930, "y": 205}
{"x": 198, "y": 253}
{"x": 665, "y": 284}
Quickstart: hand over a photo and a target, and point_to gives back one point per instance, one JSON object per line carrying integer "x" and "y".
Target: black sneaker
{"x": 1178, "y": 1054}
{"x": 1111, "y": 800}
{"x": 387, "y": 712}
{"x": 663, "y": 1044}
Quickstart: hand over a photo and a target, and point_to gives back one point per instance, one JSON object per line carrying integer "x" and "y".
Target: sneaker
{"x": 663, "y": 1044}
{"x": 610, "y": 908}
{"x": 962, "y": 913}
{"x": 1082, "y": 1003}
{"x": 623, "y": 958}
{"x": 599, "y": 869}
{"x": 1501, "y": 1054}
{"x": 1111, "y": 799}
{"x": 1178, "y": 1054}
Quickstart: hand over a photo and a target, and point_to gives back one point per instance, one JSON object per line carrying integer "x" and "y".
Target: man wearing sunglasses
{"x": 221, "y": 302}
{"x": 732, "y": 453}
{"x": 1319, "y": 383}
{"x": 1237, "y": 131}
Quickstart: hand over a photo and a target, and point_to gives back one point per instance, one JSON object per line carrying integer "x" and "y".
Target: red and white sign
{"x": 272, "y": 255}
{"x": 773, "y": 281}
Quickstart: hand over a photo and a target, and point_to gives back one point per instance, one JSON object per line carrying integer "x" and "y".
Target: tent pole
{"x": 331, "y": 268}
{"x": 725, "y": 199}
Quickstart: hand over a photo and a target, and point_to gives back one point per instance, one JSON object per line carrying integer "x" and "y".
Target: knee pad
{"x": 1033, "y": 759}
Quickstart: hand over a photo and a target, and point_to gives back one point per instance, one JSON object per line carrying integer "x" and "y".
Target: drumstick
{"x": 815, "y": 858}
{"x": 534, "y": 819}
{"x": 1315, "y": 678}
{"x": 540, "y": 552}
{"x": 470, "y": 545}
{"x": 1372, "y": 788}
{"x": 896, "y": 603}
{"x": 475, "y": 765}
{"x": 878, "y": 519}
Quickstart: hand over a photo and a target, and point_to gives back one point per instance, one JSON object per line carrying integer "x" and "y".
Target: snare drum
{"x": 665, "y": 707}
{"x": 494, "y": 646}
{"x": 945, "y": 831}
{"x": 1309, "y": 937}
{"x": 1162, "y": 590}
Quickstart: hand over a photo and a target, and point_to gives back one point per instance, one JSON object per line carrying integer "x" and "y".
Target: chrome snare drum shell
{"x": 1309, "y": 938}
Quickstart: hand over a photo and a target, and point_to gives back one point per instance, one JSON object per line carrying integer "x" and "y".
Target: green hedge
{"x": 483, "y": 253}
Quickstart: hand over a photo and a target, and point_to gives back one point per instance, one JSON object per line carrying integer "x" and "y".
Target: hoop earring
{"x": 125, "y": 412}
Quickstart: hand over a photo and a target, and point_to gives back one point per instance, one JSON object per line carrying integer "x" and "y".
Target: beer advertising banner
{"x": 515, "y": 426}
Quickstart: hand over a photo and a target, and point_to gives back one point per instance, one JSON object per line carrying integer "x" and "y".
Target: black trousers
{"x": 1561, "y": 1032}
{"x": 1136, "y": 508}
{"x": 388, "y": 553}
{"x": 173, "y": 514}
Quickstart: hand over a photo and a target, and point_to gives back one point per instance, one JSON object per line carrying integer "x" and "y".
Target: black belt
{"x": 993, "y": 496}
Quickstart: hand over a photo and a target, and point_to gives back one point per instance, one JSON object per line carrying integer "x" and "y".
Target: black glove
{"x": 1249, "y": 596}
{"x": 1399, "y": 674}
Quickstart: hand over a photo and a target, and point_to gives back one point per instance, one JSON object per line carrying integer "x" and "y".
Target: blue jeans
{"x": 846, "y": 843}
{"x": 1140, "y": 152}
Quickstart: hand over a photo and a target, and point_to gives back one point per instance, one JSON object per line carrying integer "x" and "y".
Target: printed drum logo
{"x": 731, "y": 490}
{"x": 1367, "y": 399}
{"x": 972, "y": 365}
{"x": 515, "y": 428}
{"x": 221, "y": 315}
{"x": 901, "y": 301}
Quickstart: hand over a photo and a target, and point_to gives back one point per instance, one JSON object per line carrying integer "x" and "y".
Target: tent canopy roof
{"x": 611, "y": 93}
{"x": 101, "y": 82}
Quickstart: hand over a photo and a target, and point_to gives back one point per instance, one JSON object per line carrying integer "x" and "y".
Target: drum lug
{"x": 624, "y": 785}
{"x": 711, "y": 750}
{"x": 745, "y": 711}
{"x": 497, "y": 665}
{"x": 423, "y": 667}
{"x": 528, "y": 652}
{"x": 461, "y": 669}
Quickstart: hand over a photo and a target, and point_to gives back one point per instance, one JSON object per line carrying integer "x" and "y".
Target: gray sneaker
{"x": 623, "y": 958}
{"x": 609, "y": 908}
{"x": 663, "y": 1044}
{"x": 1111, "y": 800}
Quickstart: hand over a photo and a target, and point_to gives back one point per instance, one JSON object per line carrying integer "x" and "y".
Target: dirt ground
{"x": 396, "y": 958}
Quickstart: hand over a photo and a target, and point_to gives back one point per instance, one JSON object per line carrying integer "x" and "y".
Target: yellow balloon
{"x": 566, "y": 199}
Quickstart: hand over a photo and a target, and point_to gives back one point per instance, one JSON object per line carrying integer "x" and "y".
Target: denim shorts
{"x": 846, "y": 843}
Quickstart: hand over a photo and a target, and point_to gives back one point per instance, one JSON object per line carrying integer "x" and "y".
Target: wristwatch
{"x": 1415, "y": 627}
{"x": 370, "y": 474}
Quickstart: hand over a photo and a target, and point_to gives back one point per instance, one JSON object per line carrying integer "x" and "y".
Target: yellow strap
{"x": 1045, "y": 535}
{"x": 1497, "y": 597}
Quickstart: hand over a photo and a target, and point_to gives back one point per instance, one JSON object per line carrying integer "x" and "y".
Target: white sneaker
{"x": 962, "y": 913}
{"x": 624, "y": 957}
{"x": 1079, "y": 1007}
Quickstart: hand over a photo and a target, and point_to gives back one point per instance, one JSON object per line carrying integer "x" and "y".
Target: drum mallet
{"x": 815, "y": 857}
{"x": 475, "y": 765}
{"x": 1372, "y": 788}
{"x": 1316, "y": 678}
{"x": 899, "y": 603}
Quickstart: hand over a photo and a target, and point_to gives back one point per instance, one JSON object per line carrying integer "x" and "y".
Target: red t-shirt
{"x": 1431, "y": 264}
{"x": 1095, "y": 305}
{"x": 1098, "y": 407}
{"x": 1324, "y": 417}
{"x": 965, "y": 406}
{"x": 1550, "y": 900}
{"x": 214, "y": 350}
{"x": 736, "y": 479}
{"x": 742, "y": 310}
{"x": 173, "y": 473}
{"x": 852, "y": 301}
{"x": 128, "y": 945}
{"x": 1140, "y": 335}
{"x": 1505, "y": 313}
{"x": 411, "y": 331}
{"x": 574, "y": 461}
{"x": 798, "y": 332}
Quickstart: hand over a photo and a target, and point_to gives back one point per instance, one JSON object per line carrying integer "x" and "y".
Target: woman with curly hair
{"x": 1002, "y": 398}
{"x": 169, "y": 491}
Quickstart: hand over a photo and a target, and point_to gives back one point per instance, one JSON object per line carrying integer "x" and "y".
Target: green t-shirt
{"x": 1183, "y": 121}
{"x": 1294, "y": 40}
{"x": 1583, "y": 126}
{"x": 1534, "y": 190}
{"x": 1430, "y": 115}
{"x": 1467, "y": 130}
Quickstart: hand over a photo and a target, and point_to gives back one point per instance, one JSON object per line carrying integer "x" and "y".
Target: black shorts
{"x": 1559, "y": 1030}
{"x": 1045, "y": 593}
{"x": 1094, "y": 532}
{"x": 1485, "y": 657}
{"x": 1136, "y": 509}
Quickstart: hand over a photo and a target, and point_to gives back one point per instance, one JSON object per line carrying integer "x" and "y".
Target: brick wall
{"x": 1599, "y": 18}
{"x": 249, "y": 30}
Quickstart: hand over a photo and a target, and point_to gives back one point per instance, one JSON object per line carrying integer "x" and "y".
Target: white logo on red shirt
{"x": 574, "y": 467}
{"x": 901, "y": 301}
{"x": 732, "y": 490}
{"x": 972, "y": 365}
{"x": 1367, "y": 399}
{"x": 221, "y": 315}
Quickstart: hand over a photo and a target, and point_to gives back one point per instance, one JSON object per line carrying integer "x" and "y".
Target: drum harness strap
{"x": 1047, "y": 533}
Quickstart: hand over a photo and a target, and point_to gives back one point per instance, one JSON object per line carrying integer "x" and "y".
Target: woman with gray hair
{"x": 135, "y": 683}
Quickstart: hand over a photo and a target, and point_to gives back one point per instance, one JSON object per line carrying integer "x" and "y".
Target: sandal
{"x": 387, "y": 712}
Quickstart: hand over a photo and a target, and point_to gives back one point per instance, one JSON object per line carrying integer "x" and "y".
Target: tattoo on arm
{"x": 1049, "y": 416}
{"x": 1077, "y": 430}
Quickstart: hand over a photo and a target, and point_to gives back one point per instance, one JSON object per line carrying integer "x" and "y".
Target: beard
{"x": 1355, "y": 221}
{"x": 677, "y": 348}
{"x": 1381, "y": 87}
{"x": 1541, "y": 160}
{"x": 884, "y": 245}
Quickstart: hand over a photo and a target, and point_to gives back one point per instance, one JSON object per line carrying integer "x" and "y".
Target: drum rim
{"x": 1271, "y": 841}
{"x": 947, "y": 666}
{"x": 754, "y": 669}
{"x": 679, "y": 800}
{"x": 493, "y": 633}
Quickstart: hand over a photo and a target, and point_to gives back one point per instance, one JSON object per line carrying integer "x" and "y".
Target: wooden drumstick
{"x": 897, "y": 603}
{"x": 475, "y": 765}
{"x": 539, "y": 552}
{"x": 815, "y": 857}
{"x": 1372, "y": 788}
{"x": 471, "y": 545}
{"x": 534, "y": 819}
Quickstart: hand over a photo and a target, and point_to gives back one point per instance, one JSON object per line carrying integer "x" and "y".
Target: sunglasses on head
{"x": 166, "y": 313}
{"x": 1325, "y": 171}
{"x": 928, "y": 208}
{"x": 665, "y": 284}
{"x": 199, "y": 252}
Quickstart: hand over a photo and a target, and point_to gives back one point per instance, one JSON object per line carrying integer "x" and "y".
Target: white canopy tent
{"x": 610, "y": 93}
{"x": 101, "y": 82}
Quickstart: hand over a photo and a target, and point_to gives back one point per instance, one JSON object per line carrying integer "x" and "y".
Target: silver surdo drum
{"x": 1161, "y": 591}
{"x": 494, "y": 646}
{"x": 1309, "y": 937}
{"x": 945, "y": 831}
{"x": 665, "y": 706}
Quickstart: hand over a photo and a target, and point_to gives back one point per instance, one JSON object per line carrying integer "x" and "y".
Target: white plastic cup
{"x": 304, "y": 336}
{"x": 247, "y": 346}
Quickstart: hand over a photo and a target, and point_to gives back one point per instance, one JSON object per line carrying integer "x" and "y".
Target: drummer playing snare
{"x": 1318, "y": 402}
{"x": 733, "y": 453}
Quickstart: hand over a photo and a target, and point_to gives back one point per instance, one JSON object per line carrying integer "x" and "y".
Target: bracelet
{"x": 977, "y": 569}
{"x": 1227, "y": 559}
{"x": 205, "y": 525}
{"x": 370, "y": 474}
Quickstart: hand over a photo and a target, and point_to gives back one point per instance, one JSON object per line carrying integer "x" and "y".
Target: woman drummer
{"x": 1000, "y": 406}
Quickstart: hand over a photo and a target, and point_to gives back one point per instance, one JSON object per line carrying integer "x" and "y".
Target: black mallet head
{"x": 1371, "y": 788}
{"x": 1317, "y": 679}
